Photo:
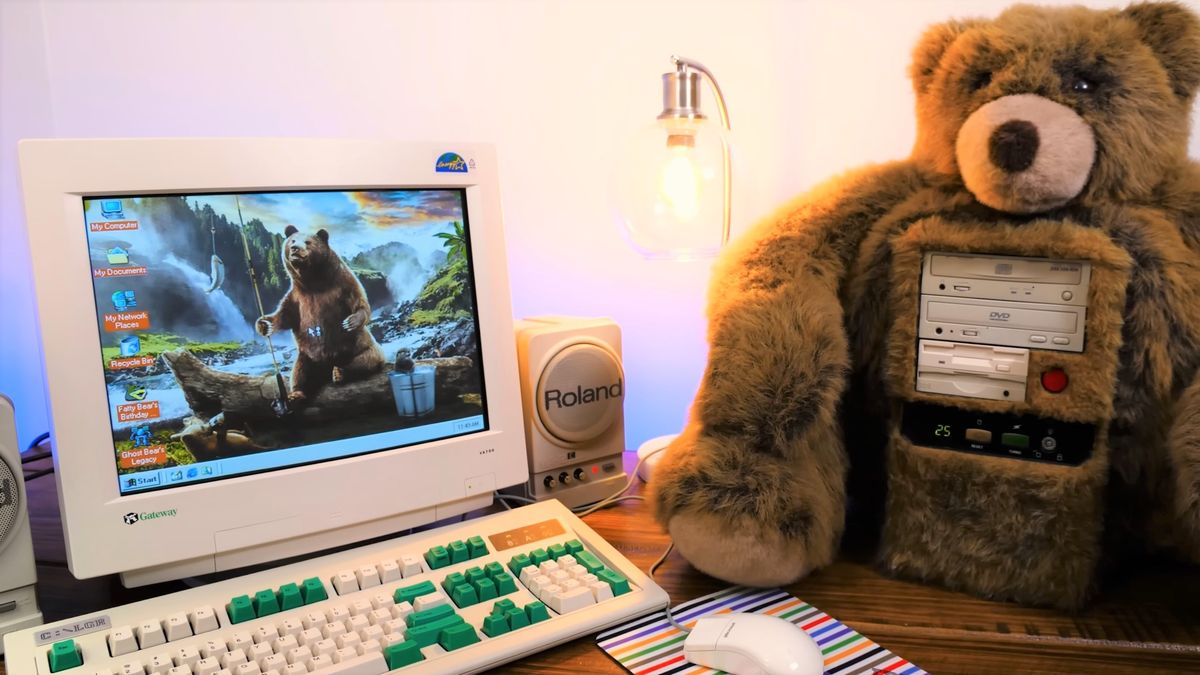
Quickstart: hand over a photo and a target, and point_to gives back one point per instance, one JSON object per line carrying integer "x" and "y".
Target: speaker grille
{"x": 10, "y": 502}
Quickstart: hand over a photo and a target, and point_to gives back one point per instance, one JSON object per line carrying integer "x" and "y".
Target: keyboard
{"x": 456, "y": 599}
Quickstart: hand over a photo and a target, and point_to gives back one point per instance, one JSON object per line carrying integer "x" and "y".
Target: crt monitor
{"x": 258, "y": 348}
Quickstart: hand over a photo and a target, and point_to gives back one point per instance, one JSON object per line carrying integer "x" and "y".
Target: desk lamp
{"x": 674, "y": 197}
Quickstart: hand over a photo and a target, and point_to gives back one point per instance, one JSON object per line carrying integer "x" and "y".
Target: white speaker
{"x": 573, "y": 395}
{"x": 18, "y": 604}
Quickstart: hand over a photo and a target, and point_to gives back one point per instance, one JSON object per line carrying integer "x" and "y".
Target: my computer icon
{"x": 111, "y": 208}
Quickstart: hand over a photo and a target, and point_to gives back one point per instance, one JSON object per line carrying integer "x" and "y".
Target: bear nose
{"x": 1013, "y": 145}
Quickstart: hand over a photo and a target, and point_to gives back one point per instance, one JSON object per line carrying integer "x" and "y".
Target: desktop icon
{"x": 123, "y": 300}
{"x": 111, "y": 208}
{"x": 130, "y": 345}
{"x": 175, "y": 476}
{"x": 207, "y": 471}
{"x": 118, "y": 256}
{"x": 135, "y": 392}
{"x": 193, "y": 472}
{"x": 140, "y": 436}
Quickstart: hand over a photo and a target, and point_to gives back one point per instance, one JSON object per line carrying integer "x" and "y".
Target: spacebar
{"x": 367, "y": 664}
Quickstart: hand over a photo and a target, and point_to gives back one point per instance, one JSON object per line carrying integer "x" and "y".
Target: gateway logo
{"x": 134, "y": 518}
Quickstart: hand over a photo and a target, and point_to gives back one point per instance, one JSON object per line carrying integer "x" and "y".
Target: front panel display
{"x": 998, "y": 434}
{"x": 243, "y": 333}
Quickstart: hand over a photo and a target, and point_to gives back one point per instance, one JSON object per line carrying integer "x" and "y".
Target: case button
{"x": 979, "y": 435}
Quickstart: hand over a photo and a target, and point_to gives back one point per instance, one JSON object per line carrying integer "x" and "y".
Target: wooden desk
{"x": 1149, "y": 623}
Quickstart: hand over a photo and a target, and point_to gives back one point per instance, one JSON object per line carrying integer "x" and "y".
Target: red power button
{"x": 1054, "y": 380}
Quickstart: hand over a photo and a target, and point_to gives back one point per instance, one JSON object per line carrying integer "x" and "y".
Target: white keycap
{"x": 160, "y": 662}
{"x": 291, "y": 627}
{"x": 548, "y": 591}
{"x": 368, "y": 647}
{"x": 430, "y": 600}
{"x": 332, "y": 630}
{"x": 410, "y": 564}
{"x": 134, "y": 668}
{"x": 349, "y": 641}
{"x": 391, "y": 639}
{"x": 314, "y": 619}
{"x": 233, "y": 658}
{"x": 296, "y": 669}
{"x": 345, "y": 582}
{"x": 324, "y": 648}
{"x": 337, "y": 613}
{"x": 432, "y": 651}
{"x": 537, "y": 583}
{"x": 267, "y": 634}
{"x": 371, "y": 633}
{"x": 311, "y": 635}
{"x": 273, "y": 671}
{"x": 150, "y": 634}
{"x": 186, "y": 656}
{"x": 529, "y": 572}
{"x": 259, "y": 650}
{"x": 300, "y": 655}
{"x": 180, "y": 670}
{"x": 368, "y": 577}
{"x": 206, "y": 667}
{"x": 378, "y": 617}
{"x": 121, "y": 641}
{"x": 321, "y": 663}
{"x": 203, "y": 620}
{"x": 360, "y": 607}
{"x": 240, "y": 640}
{"x": 389, "y": 570}
{"x": 273, "y": 662}
{"x": 346, "y": 654}
{"x": 356, "y": 623}
{"x": 571, "y": 600}
{"x": 286, "y": 642}
{"x": 247, "y": 669}
{"x": 559, "y": 576}
{"x": 367, "y": 664}
{"x": 224, "y": 671}
{"x": 600, "y": 590}
{"x": 211, "y": 649}
{"x": 382, "y": 600}
{"x": 565, "y": 561}
{"x": 588, "y": 579}
{"x": 547, "y": 567}
{"x": 401, "y": 610}
{"x": 395, "y": 627}
{"x": 577, "y": 571}
{"x": 569, "y": 584}
{"x": 178, "y": 627}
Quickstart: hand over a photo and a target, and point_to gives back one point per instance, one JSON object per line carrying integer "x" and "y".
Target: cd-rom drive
{"x": 1006, "y": 278}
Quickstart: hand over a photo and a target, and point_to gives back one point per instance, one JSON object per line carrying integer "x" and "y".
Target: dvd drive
{"x": 997, "y": 322}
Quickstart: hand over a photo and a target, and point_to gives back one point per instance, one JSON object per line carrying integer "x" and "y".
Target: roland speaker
{"x": 573, "y": 394}
{"x": 18, "y": 604}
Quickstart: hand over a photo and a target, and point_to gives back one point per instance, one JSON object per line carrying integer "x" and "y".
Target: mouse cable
{"x": 654, "y": 568}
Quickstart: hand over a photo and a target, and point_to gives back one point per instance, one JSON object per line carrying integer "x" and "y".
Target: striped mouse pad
{"x": 652, "y": 646}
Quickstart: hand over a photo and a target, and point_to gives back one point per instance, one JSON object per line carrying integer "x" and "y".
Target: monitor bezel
{"x": 230, "y": 515}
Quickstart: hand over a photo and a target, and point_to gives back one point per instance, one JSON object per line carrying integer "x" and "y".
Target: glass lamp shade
{"x": 671, "y": 189}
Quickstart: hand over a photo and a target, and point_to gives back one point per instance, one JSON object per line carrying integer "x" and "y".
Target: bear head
{"x": 306, "y": 255}
{"x": 1044, "y": 106}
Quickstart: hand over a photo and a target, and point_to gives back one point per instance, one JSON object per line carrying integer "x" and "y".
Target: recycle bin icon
{"x": 413, "y": 391}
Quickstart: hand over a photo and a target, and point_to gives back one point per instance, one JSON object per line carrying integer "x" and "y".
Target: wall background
{"x": 813, "y": 87}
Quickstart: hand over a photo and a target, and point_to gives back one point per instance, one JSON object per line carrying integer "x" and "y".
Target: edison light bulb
{"x": 671, "y": 189}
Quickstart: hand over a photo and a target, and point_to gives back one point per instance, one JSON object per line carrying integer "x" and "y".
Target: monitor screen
{"x": 248, "y": 332}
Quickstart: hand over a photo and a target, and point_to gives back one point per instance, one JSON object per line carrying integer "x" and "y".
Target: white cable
{"x": 586, "y": 511}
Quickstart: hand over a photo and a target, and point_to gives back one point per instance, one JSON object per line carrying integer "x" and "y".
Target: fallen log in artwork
{"x": 210, "y": 392}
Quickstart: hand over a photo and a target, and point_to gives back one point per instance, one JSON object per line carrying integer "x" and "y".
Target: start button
{"x": 580, "y": 393}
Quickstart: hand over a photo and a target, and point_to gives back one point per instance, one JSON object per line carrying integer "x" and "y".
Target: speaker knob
{"x": 550, "y": 483}
{"x": 564, "y": 478}
{"x": 580, "y": 475}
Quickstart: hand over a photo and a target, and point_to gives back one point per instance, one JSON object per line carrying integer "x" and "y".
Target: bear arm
{"x": 753, "y": 491}
{"x": 1184, "y": 453}
{"x": 285, "y": 315}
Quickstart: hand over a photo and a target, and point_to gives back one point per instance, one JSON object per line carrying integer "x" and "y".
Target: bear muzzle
{"x": 1025, "y": 153}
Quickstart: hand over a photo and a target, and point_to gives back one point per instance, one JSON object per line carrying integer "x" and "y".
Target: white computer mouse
{"x": 753, "y": 644}
{"x": 650, "y": 452}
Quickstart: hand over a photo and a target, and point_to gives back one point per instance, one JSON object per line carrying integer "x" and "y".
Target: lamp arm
{"x": 727, "y": 214}
{"x": 697, "y": 66}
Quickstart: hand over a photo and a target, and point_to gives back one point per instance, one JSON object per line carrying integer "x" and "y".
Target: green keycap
{"x": 240, "y": 609}
{"x": 429, "y": 615}
{"x": 64, "y": 655}
{"x": 437, "y": 557}
{"x": 494, "y": 625}
{"x": 266, "y": 603}
{"x": 516, "y": 618}
{"x": 503, "y": 606}
{"x": 458, "y": 552}
{"x": 428, "y": 634}
{"x": 574, "y": 546}
{"x": 505, "y": 584}
{"x": 289, "y": 597}
{"x": 402, "y": 654}
{"x": 620, "y": 585}
{"x": 476, "y": 547}
{"x": 452, "y": 580}
{"x": 589, "y": 561}
{"x": 492, "y": 569}
{"x": 519, "y": 562}
{"x": 464, "y": 595}
{"x": 410, "y": 593}
{"x": 474, "y": 574}
{"x": 486, "y": 589}
{"x": 458, "y": 636}
{"x": 536, "y": 612}
{"x": 313, "y": 590}
{"x": 556, "y": 551}
{"x": 537, "y": 556}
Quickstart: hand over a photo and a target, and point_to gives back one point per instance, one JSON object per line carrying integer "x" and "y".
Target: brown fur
{"x": 812, "y": 320}
{"x": 327, "y": 311}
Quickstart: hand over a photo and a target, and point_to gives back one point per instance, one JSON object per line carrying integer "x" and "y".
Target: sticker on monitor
{"x": 250, "y": 332}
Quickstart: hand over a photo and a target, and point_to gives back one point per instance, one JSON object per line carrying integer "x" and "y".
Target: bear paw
{"x": 338, "y": 375}
{"x": 353, "y": 322}
{"x": 264, "y": 326}
{"x": 741, "y": 551}
{"x": 297, "y": 397}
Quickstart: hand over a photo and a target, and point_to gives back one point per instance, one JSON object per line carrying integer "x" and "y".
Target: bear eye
{"x": 980, "y": 80}
{"x": 1083, "y": 85}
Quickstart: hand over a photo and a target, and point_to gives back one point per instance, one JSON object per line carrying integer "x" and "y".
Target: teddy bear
{"x": 1055, "y": 134}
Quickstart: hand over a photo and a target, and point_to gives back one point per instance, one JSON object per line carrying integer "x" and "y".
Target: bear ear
{"x": 290, "y": 230}
{"x": 930, "y": 48}
{"x": 1173, "y": 32}
{"x": 323, "y": 235}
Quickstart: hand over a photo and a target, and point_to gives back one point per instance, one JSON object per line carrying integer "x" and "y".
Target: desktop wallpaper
{"x": 260, "y": 325}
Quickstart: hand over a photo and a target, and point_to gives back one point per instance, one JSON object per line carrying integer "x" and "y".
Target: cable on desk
{"x": 41, "y": 438}
{"x": 38, "y": 474}
{"x": 654, "y": 568}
